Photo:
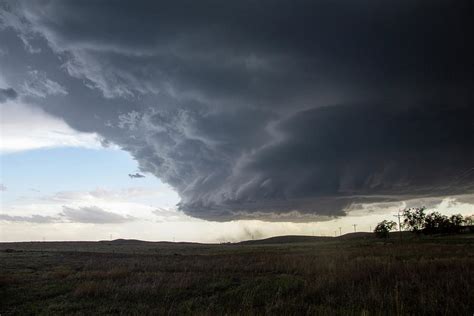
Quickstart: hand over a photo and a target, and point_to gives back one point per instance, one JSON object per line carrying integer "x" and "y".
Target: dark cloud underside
{"x": 7, "y": 94}
{"x": 262, "y": 108}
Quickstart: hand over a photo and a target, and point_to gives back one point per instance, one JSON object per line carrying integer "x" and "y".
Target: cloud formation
{"x": 93, "y": 215}
{"x": 7, "y": 94}
{"x": 26, "y": 127}
{"x": 276, "y": 110}
{"x": 37, "y": 219}
{"x": 38, "y": 85}
{"x": 136, "y": 175}
{"x": 86, "y": 214}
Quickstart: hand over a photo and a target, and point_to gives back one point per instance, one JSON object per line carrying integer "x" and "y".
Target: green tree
{"x": 456, "y": 221}
{"x": 469, "y": 220}
{"x": 383, "y": 228}
{"x": 414, "y": 218}
{"x": 436, "y": 223}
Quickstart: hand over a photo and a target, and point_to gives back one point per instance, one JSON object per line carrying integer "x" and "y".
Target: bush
{"x": 383, "y": 228}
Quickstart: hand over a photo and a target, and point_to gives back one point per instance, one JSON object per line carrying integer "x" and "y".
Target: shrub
{"x": 383, "y": 228}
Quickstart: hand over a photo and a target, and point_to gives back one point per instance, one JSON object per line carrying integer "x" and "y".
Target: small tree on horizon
{"x": 414, "y": 218}
{"x": 469, "y": 219}
{"x": 382, "y": 230}
{"x": 457, "y": 220}
{"x": 436, "y": 223}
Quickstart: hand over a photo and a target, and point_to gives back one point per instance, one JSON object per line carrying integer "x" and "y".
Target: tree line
{"x": 419, "y": 221}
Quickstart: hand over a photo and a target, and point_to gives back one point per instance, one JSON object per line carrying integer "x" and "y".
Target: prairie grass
{"x": 335, "y": 277}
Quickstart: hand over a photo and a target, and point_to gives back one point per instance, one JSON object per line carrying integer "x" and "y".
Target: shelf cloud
{"x": 275, "y": 110}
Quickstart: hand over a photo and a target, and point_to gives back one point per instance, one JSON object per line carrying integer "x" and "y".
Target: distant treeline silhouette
{"x": 418, "y": 221}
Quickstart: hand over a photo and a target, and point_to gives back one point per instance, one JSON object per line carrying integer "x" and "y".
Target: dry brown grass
{"x": 88, "y": 289}
{"x": 325, "y": 278}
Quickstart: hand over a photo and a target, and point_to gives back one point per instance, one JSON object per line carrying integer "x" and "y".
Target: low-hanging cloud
{"x": 265, "y": 110}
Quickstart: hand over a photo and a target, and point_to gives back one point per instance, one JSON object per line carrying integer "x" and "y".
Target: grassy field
{"x": 286, "y": 276}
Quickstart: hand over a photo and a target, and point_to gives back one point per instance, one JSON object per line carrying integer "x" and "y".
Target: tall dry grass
{"x": 429, "y": 278}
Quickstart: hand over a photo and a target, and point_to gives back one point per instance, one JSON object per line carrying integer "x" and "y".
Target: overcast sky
{"x": 247, "y": 118}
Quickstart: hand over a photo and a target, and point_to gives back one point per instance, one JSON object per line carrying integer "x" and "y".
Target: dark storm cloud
{"x": 284, "y": 110}
{"x": 94, "y": 215}
{"x": 7, "y": 94}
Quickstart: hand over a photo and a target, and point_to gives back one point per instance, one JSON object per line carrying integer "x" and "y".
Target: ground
{"x": 357, "y": 275}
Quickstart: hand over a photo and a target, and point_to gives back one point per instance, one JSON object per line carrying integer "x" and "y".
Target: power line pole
{"x": 355, "y": 229}
{"x": 340, "y": 234}
{"x": 399, "y": 224}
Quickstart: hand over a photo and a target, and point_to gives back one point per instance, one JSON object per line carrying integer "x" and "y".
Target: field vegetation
{"x": 349, "y": 275}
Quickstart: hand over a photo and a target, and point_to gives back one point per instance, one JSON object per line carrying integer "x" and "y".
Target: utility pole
{"x": 355, "y": 229}
{"x": 340, "y": 234}
{"x": 399, "y": 224}
{"x": 335, "y": 233}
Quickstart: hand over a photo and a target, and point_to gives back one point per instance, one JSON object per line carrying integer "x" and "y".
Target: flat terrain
{"x": 349, "y": 275}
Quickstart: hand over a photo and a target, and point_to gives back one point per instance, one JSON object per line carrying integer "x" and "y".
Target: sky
{"x": 247, "y": 119}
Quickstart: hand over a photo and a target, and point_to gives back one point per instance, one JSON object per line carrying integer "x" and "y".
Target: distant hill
{"x": 143, "y": 242}
{"x": 285, "y": 240}
{"x": 359, "y": 235}
{"x": 304, "y": 239}
{"x": 124, "y": 241}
